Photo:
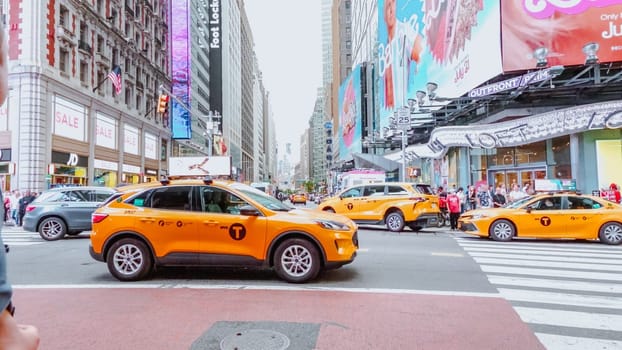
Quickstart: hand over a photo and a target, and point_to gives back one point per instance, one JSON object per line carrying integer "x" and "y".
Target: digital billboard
{"x": 434, "y": 41}
{"x": 560, "y": 31}
{"x": 350, "y": 115}
{"x": 180, "y": 57}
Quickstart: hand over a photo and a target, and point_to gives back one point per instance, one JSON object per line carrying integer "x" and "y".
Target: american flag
{"x": 115, "y": 77}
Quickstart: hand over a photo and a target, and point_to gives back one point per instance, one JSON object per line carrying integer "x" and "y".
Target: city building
{"x": 317, "y": 141}
{"x": 247, "y": 132}
{"x": 64, "y": 122}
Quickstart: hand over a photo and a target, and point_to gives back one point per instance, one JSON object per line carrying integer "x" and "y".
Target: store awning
{"x": 374, "y": 161}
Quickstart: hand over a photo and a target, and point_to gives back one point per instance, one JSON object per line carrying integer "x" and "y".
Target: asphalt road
{"x": 428, "y": 290}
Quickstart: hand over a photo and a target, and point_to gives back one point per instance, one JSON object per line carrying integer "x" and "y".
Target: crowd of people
{"x": 15, "y": 203}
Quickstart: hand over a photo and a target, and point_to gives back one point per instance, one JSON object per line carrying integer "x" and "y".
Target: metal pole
{"x": 209, "y": 135}
{"x": 404, "y": 141}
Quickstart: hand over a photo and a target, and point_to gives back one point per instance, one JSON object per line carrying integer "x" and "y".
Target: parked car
{"x": 217, "y": 223}
{"x": 548, "y": 215}
{"x": 299, "y": 198}
{"x": 393, "y": 204}
{"x": 64, "y": 211}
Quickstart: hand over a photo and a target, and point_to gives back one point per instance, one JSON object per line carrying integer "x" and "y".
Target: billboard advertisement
{"x": 215, "y": 57}
{"x": 560, "y": 31}
{"x": 180, "y": 58}
{"x": 350, "y": 115}
{"x": 199, "y": 166}
{"x": 455, "y": 46}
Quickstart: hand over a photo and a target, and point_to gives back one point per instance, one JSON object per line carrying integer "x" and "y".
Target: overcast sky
{"x": 287, "y": 35}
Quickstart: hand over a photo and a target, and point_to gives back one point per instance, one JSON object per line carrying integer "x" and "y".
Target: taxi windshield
{"x": 519, "y": 203}
{"x": 262, "y": 198}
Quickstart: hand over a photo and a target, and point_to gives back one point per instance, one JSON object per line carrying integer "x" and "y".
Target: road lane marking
{"x": 564, "y": 342}
{"x": 556, "y": 284}
{"x": 574, "y": 319}
{"x": 536, "y": 263}
{"x": 271, "y": 288}
{"x": 534, "y": 296}
{"x": 547, "y": 257}
{"x": 452, "y": 255}
{"x": 527, "y": 252}
{"x": 552, "y": 273}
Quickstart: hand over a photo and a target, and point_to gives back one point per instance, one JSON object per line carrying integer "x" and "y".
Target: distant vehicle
{"x": 548, "y": 215}
{"x": 265, "y": 187}
{"x": 299, "y": 198}
{"x": 64, "y": 211}
{"x": 393, "y": 204}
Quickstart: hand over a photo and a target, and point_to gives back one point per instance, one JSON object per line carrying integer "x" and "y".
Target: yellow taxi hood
{"x": 311, "y": 214}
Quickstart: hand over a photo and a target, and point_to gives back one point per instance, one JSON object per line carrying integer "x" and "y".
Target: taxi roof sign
{"x": 555, "y": 185}
{"x": 199, "y": 166}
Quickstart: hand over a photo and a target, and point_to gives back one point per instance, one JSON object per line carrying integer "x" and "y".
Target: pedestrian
{"x": 516, "y": 194}
{"x": 498, "y": 199}
{"x": 472, "y": 197}
{"x": 463, "y": 199}
{"x": 12, "y": 335}
{"x": 7, "y": 207}
{"x": 453, "y": 205}
{"x": 484, "y": 199}
{"x": 15, "y": 196}
{"x": 23, "y": 203}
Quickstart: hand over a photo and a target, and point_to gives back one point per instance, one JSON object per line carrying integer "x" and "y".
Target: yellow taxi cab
{"x": 216, "y": 223}
{"x": 299, "y": 198}
{"x": 393, "y": 204}
{"x": 548, "y": 215}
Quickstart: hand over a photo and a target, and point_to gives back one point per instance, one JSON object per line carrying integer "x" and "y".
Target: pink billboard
{"x": 538, "y": 33}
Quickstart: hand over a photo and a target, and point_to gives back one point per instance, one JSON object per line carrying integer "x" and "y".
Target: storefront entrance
{"x": 519, "y": 176}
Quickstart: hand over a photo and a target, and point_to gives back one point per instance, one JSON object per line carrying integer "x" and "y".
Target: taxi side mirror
{"x": 249, "y": 210}
{"x": 529, "y": 210}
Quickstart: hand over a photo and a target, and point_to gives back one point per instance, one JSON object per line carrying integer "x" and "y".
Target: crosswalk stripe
{"x": 524, "y": 252}
{"x": 556, "y": 284}
{"x": 547, "y": 257}
{"x": 607, "y": 302}
{"x": 549, "y": 264}
{"x": 539, "y": 243}
{"x": 564, "y": 342}
{"x": 575, "y": 319}
{"x": 15, "y": 243}
{"x": 552, "y": 273}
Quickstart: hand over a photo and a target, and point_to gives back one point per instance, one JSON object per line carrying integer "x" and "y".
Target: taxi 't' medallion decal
{"x": 350, "y": 206}
{"x": 545, "y": 221}
{"x": 237, "y": 232}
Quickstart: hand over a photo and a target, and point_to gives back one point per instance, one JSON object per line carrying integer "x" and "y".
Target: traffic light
{"x": 163, "y": 103}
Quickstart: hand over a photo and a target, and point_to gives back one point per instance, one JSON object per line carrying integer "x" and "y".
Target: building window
{"x": 100, "y": 44}
{"x": 128, "y": 95}
{"x": 139, "y": 101}
{"x": 84, "y": 32}
{"x": 100, "y": 6}
{"x": 63, "y": 59}
{"x": 84, "y": 72}
{"x": 63, "y": 19}
{"x": 101, "y": 75}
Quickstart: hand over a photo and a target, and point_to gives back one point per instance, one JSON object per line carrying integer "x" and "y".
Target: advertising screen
{"x": 560, "y": 32}
{"x": 180, "y": 47}
{"x": 350, "y": 114}
{"x": 453, "y": 44}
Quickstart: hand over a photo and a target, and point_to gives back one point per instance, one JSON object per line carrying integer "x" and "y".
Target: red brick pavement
{"x": 158, "y": 318}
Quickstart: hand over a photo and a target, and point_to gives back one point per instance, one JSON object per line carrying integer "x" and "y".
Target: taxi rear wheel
{"x": 502, "y": 230}
{"x": 611, "y": 233}
{"x": 395, "y": 221}
{"x": 52, "y": 229}
{"x": 297, "y": 261}
{"x": 129, "y": 260}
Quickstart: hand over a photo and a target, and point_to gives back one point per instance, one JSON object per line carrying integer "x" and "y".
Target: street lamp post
{"x": 404, "y": 142}
{"x": 403, "y": 124}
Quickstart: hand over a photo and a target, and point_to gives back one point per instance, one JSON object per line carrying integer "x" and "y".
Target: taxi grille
{"x": 355, "y": 239}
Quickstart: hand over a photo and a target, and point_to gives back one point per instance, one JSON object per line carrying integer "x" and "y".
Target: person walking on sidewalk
{"x": 453, "y": 205}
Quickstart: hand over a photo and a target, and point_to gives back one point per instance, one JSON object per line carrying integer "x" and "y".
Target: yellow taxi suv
{"x": 216, "y": 223}
{"x": 393, "y": 204}
{"x": 549, "y": 215}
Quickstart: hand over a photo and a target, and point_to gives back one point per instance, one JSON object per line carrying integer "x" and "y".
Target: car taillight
{"x": 98, "y": 217}
{"x": 30, "y": 208}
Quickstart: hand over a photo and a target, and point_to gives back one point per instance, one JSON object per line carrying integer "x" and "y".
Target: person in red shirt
{"x": 453, "y": 204}
{"x": 616, "y": 193}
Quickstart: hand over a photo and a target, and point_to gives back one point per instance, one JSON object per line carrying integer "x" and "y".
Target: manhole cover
{"x": 255, "y": 339}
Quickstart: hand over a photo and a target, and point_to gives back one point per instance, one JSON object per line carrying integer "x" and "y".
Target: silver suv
{"x": 64, "y": 211}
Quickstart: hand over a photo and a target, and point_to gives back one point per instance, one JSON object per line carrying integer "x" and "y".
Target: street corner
{"x": 201, "y": 318}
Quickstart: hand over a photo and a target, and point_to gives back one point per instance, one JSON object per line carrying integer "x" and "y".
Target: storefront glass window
{"x": 479, "y": 163}
{"x": 561, "y": 156}
{"x": 107, "y": 178}
{"x": 531, "y": 153}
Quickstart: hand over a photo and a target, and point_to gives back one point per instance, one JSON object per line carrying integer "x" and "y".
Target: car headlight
{"x": 479, "y": 216}
{"x": 332, "y": 225}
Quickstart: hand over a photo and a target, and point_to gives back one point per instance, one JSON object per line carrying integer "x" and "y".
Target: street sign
{"x": 403, "y": 118}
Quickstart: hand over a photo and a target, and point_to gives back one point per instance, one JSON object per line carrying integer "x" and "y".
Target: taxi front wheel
{"x": 129, "y": 260}
{"x": 502, "y": 230}
{"x": 611, "y": 233}
{"x": 297, "y": 261}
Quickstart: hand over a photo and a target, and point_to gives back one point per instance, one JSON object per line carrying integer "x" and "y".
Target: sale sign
{"x": 69, "y": 119}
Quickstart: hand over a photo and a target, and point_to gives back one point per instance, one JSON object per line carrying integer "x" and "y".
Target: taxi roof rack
{"x": 577, "y": 192}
